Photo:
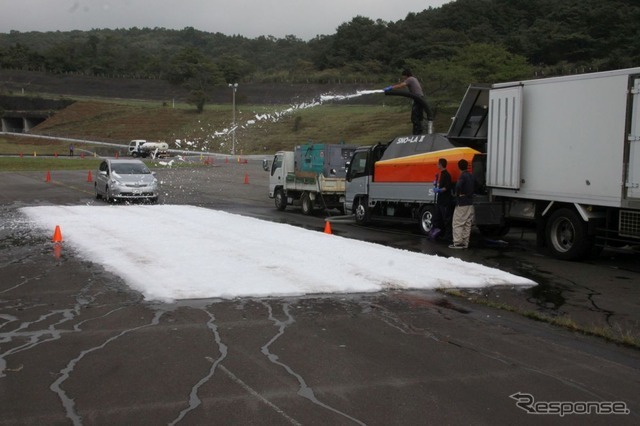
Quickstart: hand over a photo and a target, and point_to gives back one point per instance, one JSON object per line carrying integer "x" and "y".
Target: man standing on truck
{"x": 444, "y": 207}
{"x": 464, "y": 214}
{"x": 417, "y": 110}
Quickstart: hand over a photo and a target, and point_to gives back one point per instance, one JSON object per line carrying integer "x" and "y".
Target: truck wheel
{"x": 362, "y": 212}
{"x": 134, "y": 154}
{"x": 307, "y": 204}
{"x": 280, "y": 200}
{"x": 567, "y": 236}
{"x": 426, "y": 219}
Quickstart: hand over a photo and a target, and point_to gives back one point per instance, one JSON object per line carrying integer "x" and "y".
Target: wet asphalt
{"x": 78, "y": 346}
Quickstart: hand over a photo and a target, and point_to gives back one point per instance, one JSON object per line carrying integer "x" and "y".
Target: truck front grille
{"x": 629, "y": 223}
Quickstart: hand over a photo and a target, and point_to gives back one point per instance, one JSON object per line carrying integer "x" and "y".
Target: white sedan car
{"x": 126, "y": 179}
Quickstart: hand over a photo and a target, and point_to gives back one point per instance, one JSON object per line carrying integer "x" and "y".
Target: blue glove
{"x": 437, "y": 190}
{"x": 386, "y": 89}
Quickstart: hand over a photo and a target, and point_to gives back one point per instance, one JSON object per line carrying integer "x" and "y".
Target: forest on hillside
{"x": 448, "y": 47}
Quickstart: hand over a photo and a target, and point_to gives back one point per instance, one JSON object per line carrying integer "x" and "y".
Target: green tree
{"x": 19, "y": 57}
{"x": 360, "y": 40}
{"x": 490, "y": 63}
{"x": 234, "y": 68}
{"x": 197, "y": 73}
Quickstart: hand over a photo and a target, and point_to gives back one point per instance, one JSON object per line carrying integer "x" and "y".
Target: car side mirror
{"x": 265, "y": 164}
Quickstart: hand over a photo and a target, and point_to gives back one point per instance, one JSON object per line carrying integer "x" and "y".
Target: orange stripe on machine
{"x": 422, "y": 167}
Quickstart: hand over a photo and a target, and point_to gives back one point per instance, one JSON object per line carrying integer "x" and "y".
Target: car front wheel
{"x": 98, "y": 195}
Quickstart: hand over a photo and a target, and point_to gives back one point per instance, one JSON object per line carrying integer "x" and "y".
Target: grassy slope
{"x": 39, "y": 163}
{"x": 119, "y": 121}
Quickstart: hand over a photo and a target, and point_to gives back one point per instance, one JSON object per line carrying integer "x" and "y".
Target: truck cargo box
{"x": 317, "y": 183}
{"x": 328, "y": 160}
{"x": 566, "y": 138}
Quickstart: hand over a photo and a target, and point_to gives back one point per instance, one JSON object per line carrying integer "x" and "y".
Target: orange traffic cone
{"x": 89, "y": 177}
{"x": 48, "y": 178}
{"x": 57, "y": 235}
{"x": 246, "y": 179}
{"x": 327, "y": 228}
{"x": 117, "y": 154}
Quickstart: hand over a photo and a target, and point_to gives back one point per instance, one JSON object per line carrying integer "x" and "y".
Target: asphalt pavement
{"x": 78, "y": 346}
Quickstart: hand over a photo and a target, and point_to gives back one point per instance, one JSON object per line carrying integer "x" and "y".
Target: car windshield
{"x": 130, "y": 169}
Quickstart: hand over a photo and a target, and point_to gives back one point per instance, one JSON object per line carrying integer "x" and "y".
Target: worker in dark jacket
{"x": 444, "y": 203}
{"x": 417, "y": 110}
{"x": 464, "y": 213}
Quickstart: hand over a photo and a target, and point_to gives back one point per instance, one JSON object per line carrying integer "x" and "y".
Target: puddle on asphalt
{"x": 546, "y": 294}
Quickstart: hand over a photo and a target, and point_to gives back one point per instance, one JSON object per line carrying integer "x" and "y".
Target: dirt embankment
{"x": 73, "y": 85}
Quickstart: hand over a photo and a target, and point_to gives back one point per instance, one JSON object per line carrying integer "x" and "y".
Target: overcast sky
{"x": 250, "y": 18}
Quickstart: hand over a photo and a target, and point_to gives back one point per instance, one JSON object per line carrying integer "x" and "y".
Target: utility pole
{"x": 234, "y": 88}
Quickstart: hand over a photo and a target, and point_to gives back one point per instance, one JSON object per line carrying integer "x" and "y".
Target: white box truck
{"x": 563, "y": 152}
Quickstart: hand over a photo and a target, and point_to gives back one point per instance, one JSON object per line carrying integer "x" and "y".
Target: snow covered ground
{"x": 170, "y": 252}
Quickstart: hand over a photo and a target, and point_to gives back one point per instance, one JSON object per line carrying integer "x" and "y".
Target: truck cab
{"x": 134, "y": 147}
{"x": 359, "y": 175}
{"x": 281, "y": 165}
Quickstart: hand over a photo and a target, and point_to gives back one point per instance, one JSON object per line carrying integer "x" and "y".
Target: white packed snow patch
{"x": 170, "y": 252}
